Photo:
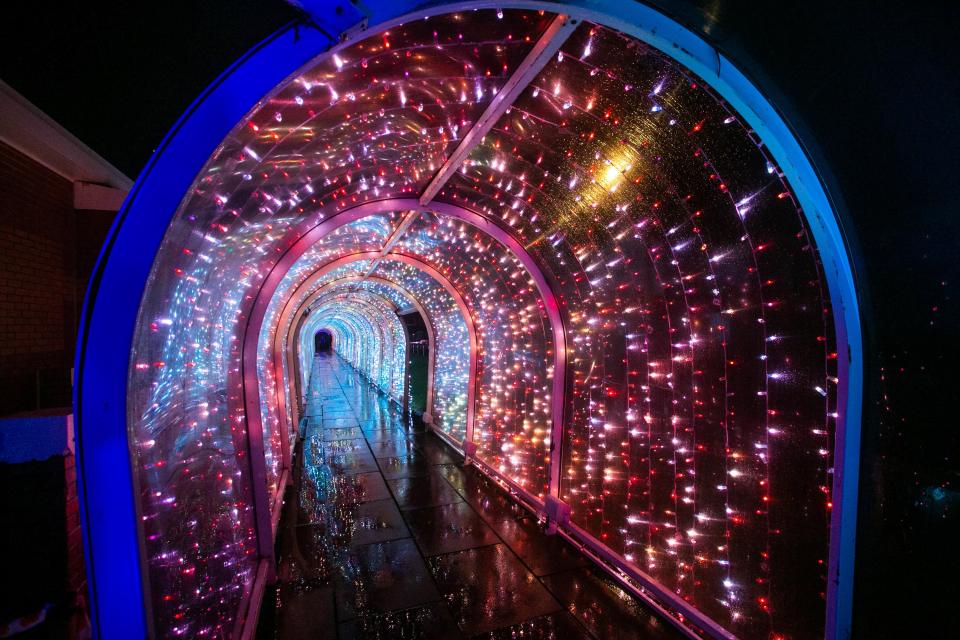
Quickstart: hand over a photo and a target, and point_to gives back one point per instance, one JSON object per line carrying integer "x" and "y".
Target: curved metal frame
{"x": 370, "y": 209}
{"x": 287, "y": 350}
{"x": 107, "y": 487}
{"x": 346, "y": 216}
{"x": 471, "y": 330}
{"x": 366, "y": 302}
{"x": 282, "y": 398}
{"x": 325, "y": 295}
{"x": 107, "y": 484}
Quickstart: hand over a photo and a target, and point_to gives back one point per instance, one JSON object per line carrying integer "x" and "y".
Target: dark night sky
{"x": 873, "y": 89}
{"x": 119, "y": 74}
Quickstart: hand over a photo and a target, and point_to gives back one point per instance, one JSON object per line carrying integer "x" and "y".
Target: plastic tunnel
{"x": 642, "y": 319}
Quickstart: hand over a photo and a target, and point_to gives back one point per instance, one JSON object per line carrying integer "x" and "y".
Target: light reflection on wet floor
{"x": 386, "y": 534}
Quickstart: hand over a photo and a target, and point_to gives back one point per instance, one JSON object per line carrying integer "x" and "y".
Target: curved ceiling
{"x": 620, "y": 221}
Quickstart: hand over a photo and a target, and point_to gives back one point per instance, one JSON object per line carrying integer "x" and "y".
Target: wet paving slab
{"x": 382, "y": 577}
{"x": 409, "y": 466}
{"x": 389, "y": 433}
{"x": 306, "y": 613}
{"x": 387, "y": 534}
{"x": 606, "y": 610}
{"x": 543, "y": 554}
{"x": 429, "y": 622}
{"x": 423, "y": 491}
{"x": 488, "y": 587}
{"x": 396, "y": 446}
{"x": 554, "y": 626}
{"x": 448, "y": 528}
{"x": 367, "y": 523}
{"x": 344, "y": 433}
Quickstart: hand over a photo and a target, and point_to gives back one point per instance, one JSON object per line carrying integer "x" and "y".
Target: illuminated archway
{"x": 687, "y": 275}
{"x": 369, "y": 336}
{"x": 468, "y": 383}
{"x": 286, "y": 351}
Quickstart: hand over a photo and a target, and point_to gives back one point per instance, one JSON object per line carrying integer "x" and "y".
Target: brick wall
{"x": 76, "y": 572}
{"x": 47, "y": 251}
{"x": 37, "y": 298}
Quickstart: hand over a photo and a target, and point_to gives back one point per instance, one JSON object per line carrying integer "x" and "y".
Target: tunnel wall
{"x": 452, "y": 374}
{"x": 628, "y": 242}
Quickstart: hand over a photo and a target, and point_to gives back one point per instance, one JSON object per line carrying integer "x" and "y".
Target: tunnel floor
{"x": 386, "y": 534}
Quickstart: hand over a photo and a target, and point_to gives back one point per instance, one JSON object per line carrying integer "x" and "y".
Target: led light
{"x": 693, "y": 358}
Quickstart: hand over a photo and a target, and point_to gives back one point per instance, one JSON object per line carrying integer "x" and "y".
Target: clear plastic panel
{"x": 701, "y": 400}
{"x": 514, "y": 343}
{"x": 367, "y": 333}
{"x": 363, "y": 125}
{"x": 364, "y": 235}
{"x": 701, "y": 367}
{"x": 451, "y": 343}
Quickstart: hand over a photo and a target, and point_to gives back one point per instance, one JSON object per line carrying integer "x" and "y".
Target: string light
{"x": 700, "y": 407}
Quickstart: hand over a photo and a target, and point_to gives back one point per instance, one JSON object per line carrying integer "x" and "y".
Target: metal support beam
{"x": 552, "y": 39}
{"x": 391, "y": 242}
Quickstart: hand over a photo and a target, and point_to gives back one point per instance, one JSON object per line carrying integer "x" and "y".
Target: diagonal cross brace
{"x": 552, "y": 39}
{"x": 560, "y": 28}
{"x": 391, "y": 242}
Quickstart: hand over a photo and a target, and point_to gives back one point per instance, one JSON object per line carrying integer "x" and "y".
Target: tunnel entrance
{"x": 322, "y": 341}
{"x": 638, "y": 300}
{"x": 418, "y": 357}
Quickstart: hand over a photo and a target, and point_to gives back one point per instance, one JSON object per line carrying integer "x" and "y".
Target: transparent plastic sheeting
{"x": 701, "y": 387}
{"x": 320, "y": 316}
{"x": 367, "y": 234}
{"x": 451, "y": 355}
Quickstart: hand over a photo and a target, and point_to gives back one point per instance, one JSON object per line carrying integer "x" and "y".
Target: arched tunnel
{"x": 642, "y": 322}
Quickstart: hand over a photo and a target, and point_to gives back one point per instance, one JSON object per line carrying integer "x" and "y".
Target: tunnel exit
{"x": 322, "y": 341}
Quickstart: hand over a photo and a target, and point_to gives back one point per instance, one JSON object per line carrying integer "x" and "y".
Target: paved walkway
{"x": 386, "y": 534}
